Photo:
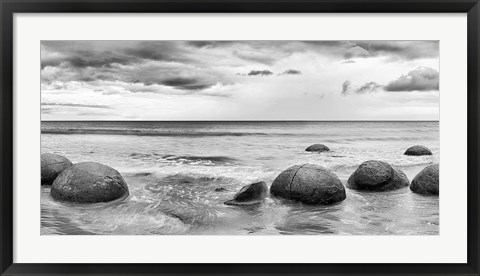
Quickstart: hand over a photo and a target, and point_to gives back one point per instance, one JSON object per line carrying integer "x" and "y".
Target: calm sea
{"x": 173, "y": 168}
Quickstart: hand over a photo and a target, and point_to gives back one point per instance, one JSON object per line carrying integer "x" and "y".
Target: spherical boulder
{"x": 426, "y": 181}
{"x": 317, "y": 148}
{"x": 89, "y": 182}
{"x": 51, "y": 166}
{"x": 250, "y": 195}
{"x": 377, "y": 176}
{"x": 310, "y": 184}
{"x": 418, "y": 151}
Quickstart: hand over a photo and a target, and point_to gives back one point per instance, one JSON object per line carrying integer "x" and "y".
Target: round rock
{"x": 310, "y": 184}
{"x": 377, "y": 176}
{"x": 426, "y": 182}
{"x": 317, "y": 148}
{"x": 51, "y": 166}
{"x": 250, "y": 194}
{"x": 89, "y": 182}
{"x": 418, "y": 151}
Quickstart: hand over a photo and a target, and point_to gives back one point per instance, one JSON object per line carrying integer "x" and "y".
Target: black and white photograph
{"x": 242, "y": 137}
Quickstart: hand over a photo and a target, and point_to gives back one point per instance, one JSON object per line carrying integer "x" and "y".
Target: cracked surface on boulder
{"x": 309, "y": 184}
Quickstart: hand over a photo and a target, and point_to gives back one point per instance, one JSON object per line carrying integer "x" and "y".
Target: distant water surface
{"x": 173, "y": 168}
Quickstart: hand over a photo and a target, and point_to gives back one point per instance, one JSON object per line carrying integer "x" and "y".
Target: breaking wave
{"x": 185, "y": 159}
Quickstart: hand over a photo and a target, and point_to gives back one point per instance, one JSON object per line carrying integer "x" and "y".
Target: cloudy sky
{"x": 240, "y": 80}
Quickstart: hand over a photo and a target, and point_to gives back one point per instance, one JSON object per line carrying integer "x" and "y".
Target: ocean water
{"x": 173, "y": 168}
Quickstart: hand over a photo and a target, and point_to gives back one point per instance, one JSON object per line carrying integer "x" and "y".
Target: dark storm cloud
{"x": 97, "y": 54}
{"x": 185, "y": 83}
{"x": 74, "y": 105}
{"x": 85, "y": 59}
{"x": 268, "y": 73}
{"x": 345, "y": 87}
{"x": 393, "y": 50}
{"x": 104, "y": 54}
{"x": 325, "y": 43}
{"x": 208, "y": 43}
{"x": 201, "y": 44}
{"x": 148, "y": 53}
{"x": 420, "y": 79}
{"x": 369, "y": 87}
{"x": 158, "y": 66}
{"x": 260, "y": 73}
{"x": 251, "y": 44}
{"x": 291, "y": 72}
{"x": 89, "y": 78}
{"x": 169, "y": 63}
{"x": 407, "y": 50}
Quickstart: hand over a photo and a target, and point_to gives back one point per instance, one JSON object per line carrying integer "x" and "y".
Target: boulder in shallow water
{"x": 317, "y": 148}
{"x": 220, "y": 189}
{"x": 51, "y": 166}
{"x": 89, "y": 182}
{"x": 310, "y": 184}
{"x": 418, "y": 151}
{"x": 426, "y": 182}
{"x": 377, "y": 176}
{"x": 250, "y": 194}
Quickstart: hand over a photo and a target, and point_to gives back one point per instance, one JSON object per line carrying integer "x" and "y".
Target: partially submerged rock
{"x": 310, "y": 184}
{"x": 220, "y": 189}
{"x": 426, "y": 182}
{"x": 250, "y": 194}
{"x": 51, "y": 166}
{"x": 143, "y": 174}
{"x": 418, "y": 151}
{"x": 377, "y": 176}
{"x": 89, "y": 182}
{"x": 317, "y": 148}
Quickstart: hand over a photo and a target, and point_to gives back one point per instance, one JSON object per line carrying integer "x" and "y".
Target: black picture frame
{"x": 10, "y": 7}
